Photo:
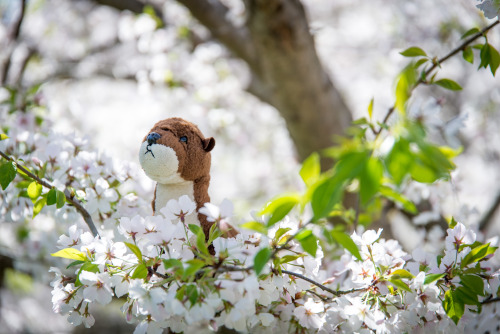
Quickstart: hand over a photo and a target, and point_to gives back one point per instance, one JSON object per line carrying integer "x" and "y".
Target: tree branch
{"x": 437, "y": 63}
{"x": 83, "y": 212}
{"x": 213, "y": 15}
{"x": 12, "y": 38}
{"x": 488, "y": 216}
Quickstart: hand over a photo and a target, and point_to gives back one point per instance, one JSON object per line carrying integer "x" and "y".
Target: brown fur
{"x": 194, "y": 158}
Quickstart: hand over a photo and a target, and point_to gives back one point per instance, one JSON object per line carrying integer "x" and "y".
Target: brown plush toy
{"x": 176, "y": 155}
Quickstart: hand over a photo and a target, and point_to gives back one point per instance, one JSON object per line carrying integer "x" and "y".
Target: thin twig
{"x": 321, "y": 286}
{"x": 323, "y": 298}
{"x": 436, "y": 64}
{"x": 78, "y": 206}
{"x": 491, "y": 300}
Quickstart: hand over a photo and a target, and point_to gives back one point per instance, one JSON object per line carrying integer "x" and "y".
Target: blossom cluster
{"x": 171, "y": 281}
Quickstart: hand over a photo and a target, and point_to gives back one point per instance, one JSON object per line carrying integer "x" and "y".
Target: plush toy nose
{"x": 152, "y": 138}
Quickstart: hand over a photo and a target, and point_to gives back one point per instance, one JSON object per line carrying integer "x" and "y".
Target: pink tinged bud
{"x": 36, "y": 161}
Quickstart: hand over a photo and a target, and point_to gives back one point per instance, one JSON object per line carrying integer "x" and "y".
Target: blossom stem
{"x": 69, "y": 198}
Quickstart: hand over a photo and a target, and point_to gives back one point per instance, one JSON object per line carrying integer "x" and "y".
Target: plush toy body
{"x": 176, "y": 155}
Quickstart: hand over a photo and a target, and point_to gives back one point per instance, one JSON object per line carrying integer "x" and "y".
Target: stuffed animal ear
{"x": 208, "y": 144}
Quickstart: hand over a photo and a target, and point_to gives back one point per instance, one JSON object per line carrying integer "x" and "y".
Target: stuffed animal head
{"x": 175, "y": 151}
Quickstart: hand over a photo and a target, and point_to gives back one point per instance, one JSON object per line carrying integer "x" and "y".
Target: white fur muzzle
{"x": 160, "y": 163}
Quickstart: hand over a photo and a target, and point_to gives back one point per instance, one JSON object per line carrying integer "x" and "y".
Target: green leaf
{"x": 489, "y": 57}
{"x": 180, "y": 293}
{"x": 360, "y": 121}
{"x": 194, "y": 266}
{"x": 39, "y": 206}
{"x": 141, "y": 271}
{"x": 420, "y": 62}
{"x": 3, "y": 136}
{"x": 213, "y": 233}
{"x": 470, "y": 32}
{"x": 192, "y": 293}
{"x": 329, "y": 191}
{"x": 400, "y": 284}
{"x": 370, "y": 179}
{"x": 494, "y": 59}
{"x": 414, "y": 51}
{"x": 195, "y": 229}
{"x": 8, "y": 173}
{"x": 289, "y": 258}
{"x": 453, "y": 306}
{"x": 452, "y": 223}
{"x": 55, "y": 196}
{"x": 89, "y": 266}
{"x": 468, "y": 55}
{"x": 466, "y": 296}
{"x": 261, "y": 259}
{"x": 52, "y": 196}
{"x": 34, "y": 190}
{"x": 433, "y": 277}
{"x": 61, "y": 199}
{"x": 406, "y": 81}
{"x": 345, "y": 241}
{"x": 308, "y": 241}
{"x": 484, "y": 55}
{"x": 75, "y": 263}
{"x": 325, "y": 196}
{"x": 255, "y": 226}
{"x": 475, "y": 255}
{"x": 448, "y": 84}
{"x": 279, "y": 208}
{"x": 402, "y": 273}
{"x": 370, "y": 109}
{"x": 399, "y": 160}
{"x": 473, "y": 283}
{"x": 310, "y": 170}
{"x": 172, "y": 263}
{"x": 201, "y": 243}
{"x": 135, "y": 250}
{"x": 70, "y": 253}
{"x": 422, "y": 173}
{"x": 399, "y": 198}
{"x": 281, "y": 231}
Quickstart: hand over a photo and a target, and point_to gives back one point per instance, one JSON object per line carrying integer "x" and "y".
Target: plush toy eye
{"x": 184, "y": 139}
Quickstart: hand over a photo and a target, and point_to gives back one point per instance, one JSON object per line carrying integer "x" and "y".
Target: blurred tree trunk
{"x": 276, "y": 44}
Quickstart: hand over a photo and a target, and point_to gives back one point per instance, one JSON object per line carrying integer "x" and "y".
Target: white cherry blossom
{"x": 100, "y": 198}
{"x": 98, "y": 287}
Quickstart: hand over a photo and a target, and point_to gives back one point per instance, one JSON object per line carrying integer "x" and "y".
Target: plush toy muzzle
{"x": 160, "y": 163}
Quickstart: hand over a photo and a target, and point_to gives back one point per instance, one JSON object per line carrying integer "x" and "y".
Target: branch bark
{"x": 289, "y": 75}
{"x": 13, "y": 36}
